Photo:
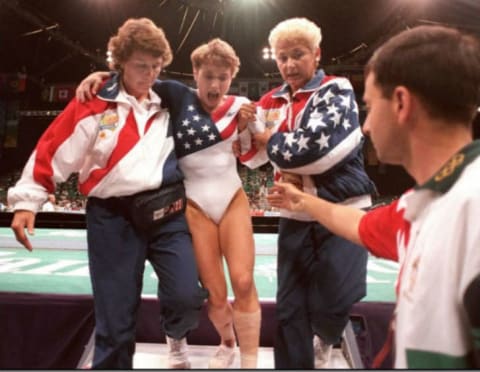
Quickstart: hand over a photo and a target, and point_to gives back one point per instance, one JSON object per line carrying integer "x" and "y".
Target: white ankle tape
{"x": 248, "y": 361}
{"x": 247, "y": 326}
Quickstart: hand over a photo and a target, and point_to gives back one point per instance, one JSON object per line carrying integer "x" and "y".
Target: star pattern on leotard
{"x": 196, "y": 132}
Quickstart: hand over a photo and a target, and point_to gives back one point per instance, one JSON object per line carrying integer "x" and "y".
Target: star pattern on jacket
{"x": 330, "y": 116}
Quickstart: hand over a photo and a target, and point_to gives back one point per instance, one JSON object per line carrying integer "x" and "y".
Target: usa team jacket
{"x": 316, "y": 135}
{"x": 118, "y": 146}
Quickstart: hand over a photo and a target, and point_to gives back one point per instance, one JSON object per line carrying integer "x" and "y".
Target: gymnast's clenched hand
{"x": 246, "y": 114}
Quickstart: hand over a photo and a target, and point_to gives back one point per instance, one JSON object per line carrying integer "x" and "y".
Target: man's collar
{"x": 446, "y": 177}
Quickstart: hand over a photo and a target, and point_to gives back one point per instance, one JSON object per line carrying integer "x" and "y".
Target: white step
{"x": 152, "y": 356}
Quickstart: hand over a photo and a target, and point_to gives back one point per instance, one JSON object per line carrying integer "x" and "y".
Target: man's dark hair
{"x": 440, "y": 65}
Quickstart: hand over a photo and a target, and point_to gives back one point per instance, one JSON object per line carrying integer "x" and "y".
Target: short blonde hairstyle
{"x": 218, "y": 52}
{"x": 296, "y": 30}
{"x": 139, "y": 34}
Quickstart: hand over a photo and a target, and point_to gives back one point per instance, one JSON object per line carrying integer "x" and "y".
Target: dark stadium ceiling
{"x": 62, "y": 40}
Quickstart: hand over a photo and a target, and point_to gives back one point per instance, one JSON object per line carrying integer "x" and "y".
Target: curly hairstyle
{"x": 138, "y": 35}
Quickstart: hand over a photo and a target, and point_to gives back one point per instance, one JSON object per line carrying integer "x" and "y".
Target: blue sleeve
{"x": 171, "y": 92}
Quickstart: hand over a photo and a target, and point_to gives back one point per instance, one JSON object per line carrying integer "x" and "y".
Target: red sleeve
{"x": 378, "y": 230}
{"x": 62, "y": 127}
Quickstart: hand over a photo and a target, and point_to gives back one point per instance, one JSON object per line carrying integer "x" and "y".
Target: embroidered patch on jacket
{"x": 108, "y": 122}
{"x": 272, "y": 117}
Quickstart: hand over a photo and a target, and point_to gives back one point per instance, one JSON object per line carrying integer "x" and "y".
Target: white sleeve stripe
{"x": 333, "y": 157}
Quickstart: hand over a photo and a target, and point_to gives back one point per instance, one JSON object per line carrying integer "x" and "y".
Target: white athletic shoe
{"x": 223, "y": 357}
{"x": 178, "y": 354}
{"x": 321, "y": 352}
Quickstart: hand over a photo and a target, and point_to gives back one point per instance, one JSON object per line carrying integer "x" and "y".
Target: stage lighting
{"x": 268, "y": 53}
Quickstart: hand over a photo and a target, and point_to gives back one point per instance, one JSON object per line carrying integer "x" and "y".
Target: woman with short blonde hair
{"x": 309, "y": 129}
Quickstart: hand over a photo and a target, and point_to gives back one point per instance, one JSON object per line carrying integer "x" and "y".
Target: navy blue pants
{"x": 117, "y": 255}
{"x": 320, "y": 277}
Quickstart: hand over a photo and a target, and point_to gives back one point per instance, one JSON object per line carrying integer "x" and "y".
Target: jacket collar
{"x": 112, "y": 91}
{"x": 111, "y": 88}
{"x": 311, "y": 86}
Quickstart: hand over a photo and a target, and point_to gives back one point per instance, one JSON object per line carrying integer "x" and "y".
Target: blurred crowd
{"x": 67, "y": 198}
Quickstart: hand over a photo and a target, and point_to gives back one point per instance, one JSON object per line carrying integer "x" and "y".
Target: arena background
{"x": 48, "y": 46}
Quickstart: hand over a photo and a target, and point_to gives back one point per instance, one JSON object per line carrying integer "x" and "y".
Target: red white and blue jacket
{"x": 316, "y": 134}
{"x": 118, "y": 146}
